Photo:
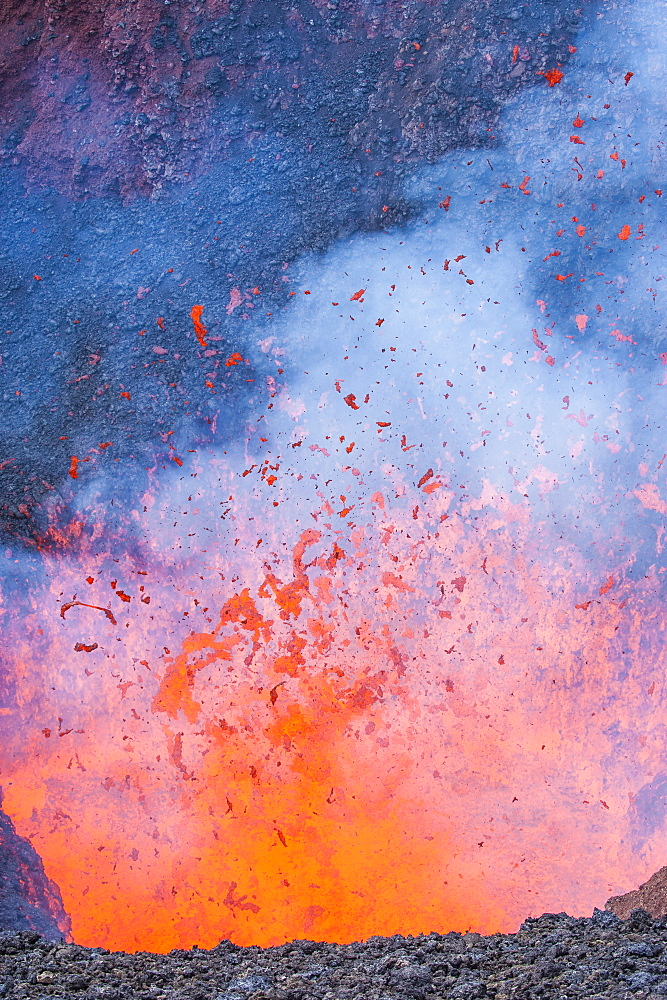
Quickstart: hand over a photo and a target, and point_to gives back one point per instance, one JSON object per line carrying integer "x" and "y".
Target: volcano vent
{"x": 333, "y": 476}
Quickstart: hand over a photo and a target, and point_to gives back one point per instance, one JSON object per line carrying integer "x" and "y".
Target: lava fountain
{"x": 392, "y": 663}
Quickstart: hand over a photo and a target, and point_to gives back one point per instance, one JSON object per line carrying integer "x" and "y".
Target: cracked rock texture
{"x": 551, "y": 956}
{"x": 29, "y": 901}
{"x": 157, "y": 155}
{"x": 131, "y": 94}
{"x": 650, "y": 896}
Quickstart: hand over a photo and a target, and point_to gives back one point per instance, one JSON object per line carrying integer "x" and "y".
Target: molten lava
{"x": 413, "y": 722}
{"x": 253, "y": 691}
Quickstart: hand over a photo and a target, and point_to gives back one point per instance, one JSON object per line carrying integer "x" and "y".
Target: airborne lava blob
{"x": 395, "y": 666}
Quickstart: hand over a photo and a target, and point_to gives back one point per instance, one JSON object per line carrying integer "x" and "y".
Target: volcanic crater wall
{"x": 217, "y": 142}
{"x": 133, "y": 95}
{"x": 171, "y": 174}
{"x": 29, "y": 901}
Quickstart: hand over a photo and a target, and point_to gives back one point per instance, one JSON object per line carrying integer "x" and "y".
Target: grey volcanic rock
{"x": 29, "y": 901}
{"x": 219, "y": 142}
{"x": 131, "y": 94}
{"x": 552, "y": 956}
{"x": 650, "y": 896}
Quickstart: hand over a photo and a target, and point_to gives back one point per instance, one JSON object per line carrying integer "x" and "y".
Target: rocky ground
{"x": 550, "y": 956}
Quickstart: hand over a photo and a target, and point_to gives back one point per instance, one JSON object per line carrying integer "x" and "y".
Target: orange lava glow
{"x": 198, "y": 326}
{"x": 425, "y": 721}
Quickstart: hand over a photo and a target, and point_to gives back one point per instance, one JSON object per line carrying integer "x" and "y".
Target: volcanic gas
{"x": 383, "y": 653}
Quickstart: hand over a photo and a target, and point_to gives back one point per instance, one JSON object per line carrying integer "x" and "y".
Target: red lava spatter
{"x": 421, "y": 694}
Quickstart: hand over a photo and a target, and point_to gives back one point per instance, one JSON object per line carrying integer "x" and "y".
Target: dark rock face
{"x": 650, "y": 896}
{"x": 29, "y": 901}
{"x": 130, "y": 94}
{"x": 217, "y": 141}
{"x": 552, "y": 956}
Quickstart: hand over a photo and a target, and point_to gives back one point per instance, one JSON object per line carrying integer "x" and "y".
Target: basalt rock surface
{"x": 127, "y": 95}
{"x": 650, "y": 896}
{"x": 29, "y": 901}
{"x": 218, "y": 142}
{"x": 552, "y": 956}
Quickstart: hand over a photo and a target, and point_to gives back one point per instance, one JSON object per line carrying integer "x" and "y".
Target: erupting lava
{"x": 413, "y": 722}
{"x": 380, "y": 649}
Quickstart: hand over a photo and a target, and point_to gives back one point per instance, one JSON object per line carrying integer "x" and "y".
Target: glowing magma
{"x": 425, "y": 691}
{"x": 408, "y": 725}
